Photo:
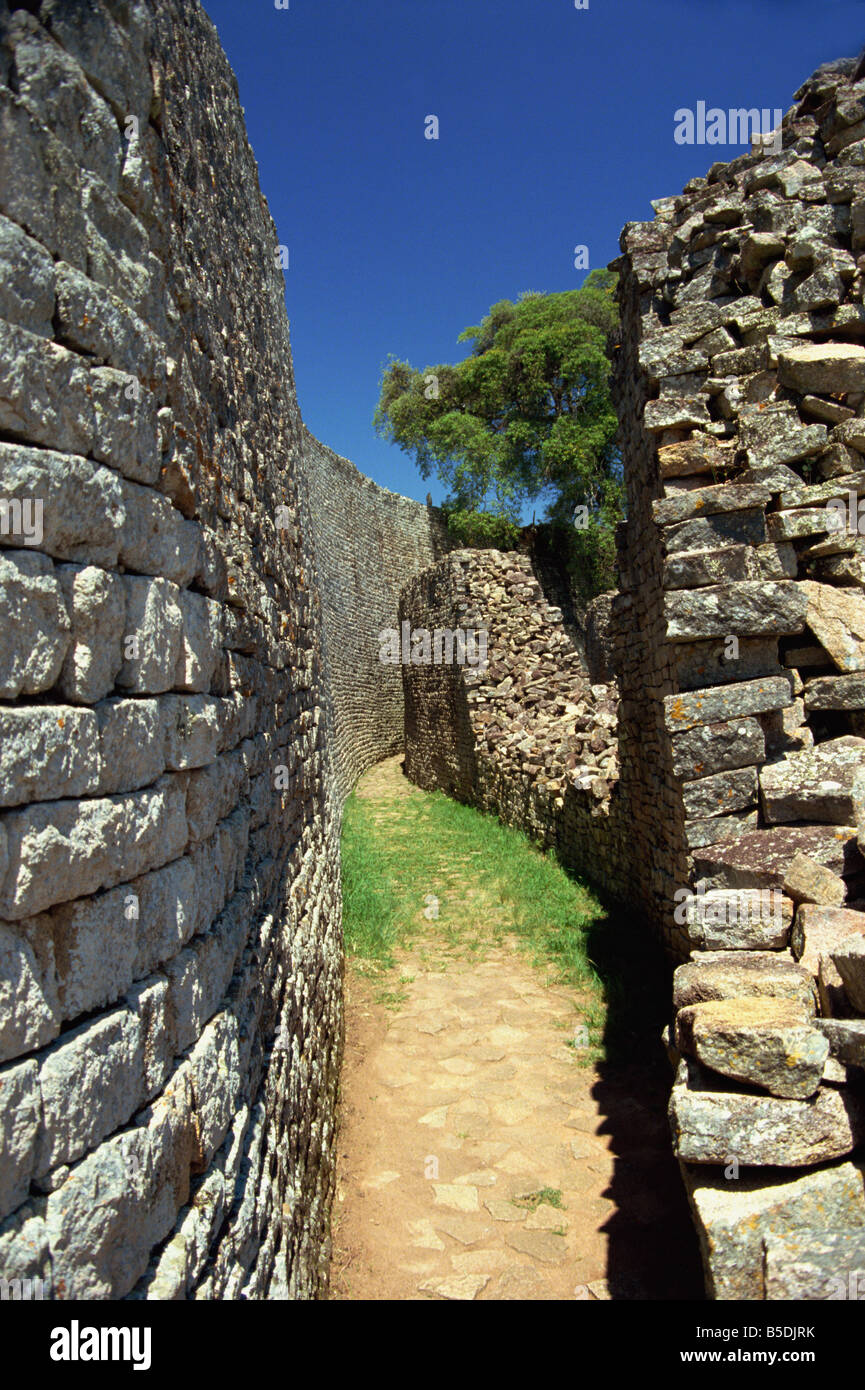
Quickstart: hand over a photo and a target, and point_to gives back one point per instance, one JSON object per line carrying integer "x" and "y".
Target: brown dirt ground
{"x": 477, "y": 1158}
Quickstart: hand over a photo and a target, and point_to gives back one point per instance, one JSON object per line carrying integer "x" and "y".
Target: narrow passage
{"x": 487, "y": 1148}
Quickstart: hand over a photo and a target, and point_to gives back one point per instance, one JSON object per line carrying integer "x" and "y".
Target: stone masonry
{"x": 733, "y": 818}
{"x": 190, "y": 588}
{"x": 526, "y": 737}
{"x": 371, "y": 540}
{"x": 741, "y": 617}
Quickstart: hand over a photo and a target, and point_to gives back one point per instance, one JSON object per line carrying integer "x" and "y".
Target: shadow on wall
{"x": 548, "y": 561}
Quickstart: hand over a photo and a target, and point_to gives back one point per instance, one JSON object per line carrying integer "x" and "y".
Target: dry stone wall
{"x": 192, "y": 591}
{"x": 733, "y": 817}
{"x": 741, "y": 380}
{"x": 368, "y": 542}
{"x": 525, "y": 736}
{"x": 187, "y": 629}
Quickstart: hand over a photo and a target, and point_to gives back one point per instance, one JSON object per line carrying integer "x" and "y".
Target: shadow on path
{"x": 653, "y": 1252}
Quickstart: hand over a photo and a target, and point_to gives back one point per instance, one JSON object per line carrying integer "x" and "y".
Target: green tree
{"x": 526, "y": 417}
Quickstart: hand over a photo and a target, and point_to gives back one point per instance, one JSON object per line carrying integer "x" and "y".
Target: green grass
{"x": 394, "y": 853}
{"x": 368, "y": 904}
{"x": 491, "y": 880}
{"x": 550, "y": 1196}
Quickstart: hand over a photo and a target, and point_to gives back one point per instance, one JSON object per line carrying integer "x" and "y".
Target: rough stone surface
{"x": 35, "y": 624}
{"x": 770, "y": 1043}
{"x": 718, "y": 975}
{"x": 819, "y": 929}
{"x": 720, "y": 794}
{"x": 836, "y": 692}
{"x": 527, "y": 735}
{"x": 813, "y": 1264}
{"x": 846, "y": 1039}
{"x": 204, "y": 595}
{"x": 849, "y": 961}
{"x": 64, "y": 849}
{"x": 837, "y": 619}
{"x": 831, "y": 368}
{"x": 806, "y": 881}
{"x": 755, "y": 270}
{"x": 762, "y": 860}
{"x": 191, "y": 588}
{"x": 715, "y": 1126}
{"x": 734, "y": 1218}
{"x": 739, "y": 919}
{"x": 709, "y": 748}
{"x": 96, "y": 606}
{"x": 826, "y": 783}
{"x": 724, "y": 703}
{"x": 748, "y": 609}
{"x": 152, "y": 640}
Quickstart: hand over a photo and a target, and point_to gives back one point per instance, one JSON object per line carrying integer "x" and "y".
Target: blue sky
{"x": 556, "y": 128}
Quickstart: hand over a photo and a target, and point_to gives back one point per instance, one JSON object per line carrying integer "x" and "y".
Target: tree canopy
{"x": 526, "y": 417}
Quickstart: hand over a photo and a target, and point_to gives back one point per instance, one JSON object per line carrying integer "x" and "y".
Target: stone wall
{"x": 741, "y": 383}
{"x": 526, "y": 737}
{"x": 733, "y": 817}
{"x": 367, "y": 541}
{"x": 191, "y": 589}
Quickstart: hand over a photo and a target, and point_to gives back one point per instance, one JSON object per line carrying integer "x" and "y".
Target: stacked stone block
{"x": 368, "y": 541}
{"x": 527, "y": 736}
{"x": 741, "y": 378}
{"x": 175, "y": 740}
{"x": 735, "y": 822}
{"x": 192, "y": 590}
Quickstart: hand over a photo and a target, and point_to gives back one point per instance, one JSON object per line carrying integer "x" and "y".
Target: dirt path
{"x": 478, "y": 1159}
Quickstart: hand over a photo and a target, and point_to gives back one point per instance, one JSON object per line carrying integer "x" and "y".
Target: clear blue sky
{"x": 556, "y": 128}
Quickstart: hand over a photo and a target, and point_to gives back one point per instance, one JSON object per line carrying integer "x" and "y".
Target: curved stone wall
{"x": 367, "y": 541}
{"x": 190, "y": 589}
{"x": 191, "y": 595}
